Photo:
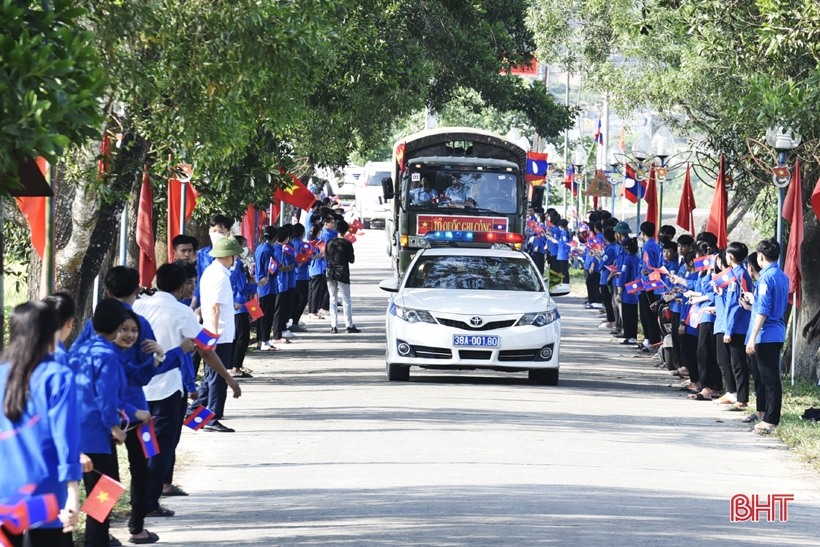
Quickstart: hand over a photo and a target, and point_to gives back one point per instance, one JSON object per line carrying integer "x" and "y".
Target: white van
{"x": 370, "y": 203}
{"x": 344, "y": 186}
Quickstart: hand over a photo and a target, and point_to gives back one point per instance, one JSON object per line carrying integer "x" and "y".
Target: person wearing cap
{"x": 218, "y": 310}
{"x": 101, "y": 385}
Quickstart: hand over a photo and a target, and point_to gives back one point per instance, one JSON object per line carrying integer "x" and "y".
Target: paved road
{"x": 327, "y": 452}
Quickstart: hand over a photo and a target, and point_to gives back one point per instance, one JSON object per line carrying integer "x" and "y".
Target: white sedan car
{"x": 472, "y": 308}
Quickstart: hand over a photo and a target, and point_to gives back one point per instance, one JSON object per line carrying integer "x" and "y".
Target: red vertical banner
{"x": 174, "y": 205}
{"x": 651, "y": 199}
{"x": 793, "y": 212}
{"x": 717, "y": 215}
{"x": 34, "y": 209}
{"x": 248, "y": 221}
{"x": 145, "y": 233}
{"x": 686, "y": 219}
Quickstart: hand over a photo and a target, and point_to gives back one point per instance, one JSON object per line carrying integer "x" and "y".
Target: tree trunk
{"x": 807, "y": 364}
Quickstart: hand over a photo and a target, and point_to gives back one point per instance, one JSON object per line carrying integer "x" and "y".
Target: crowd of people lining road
{"x": 136, "y": 362}
{"x": 720, "y": 312}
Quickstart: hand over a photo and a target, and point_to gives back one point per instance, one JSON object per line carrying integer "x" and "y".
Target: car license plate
{"x": 471, "y": 340}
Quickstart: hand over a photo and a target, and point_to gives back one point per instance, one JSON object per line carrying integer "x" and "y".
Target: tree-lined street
{"x": 327, "y": 452}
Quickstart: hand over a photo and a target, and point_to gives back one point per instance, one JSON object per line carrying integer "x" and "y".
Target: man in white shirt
{"x": 218, "y": 311}
{"x": 176, "y": 325}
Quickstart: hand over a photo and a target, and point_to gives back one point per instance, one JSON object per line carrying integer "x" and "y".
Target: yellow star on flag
{"x": 253, "y": 308}
{"x": 290, "y": 189}
{"x": 424, "y": 224}
{"x": 102, "y": 496}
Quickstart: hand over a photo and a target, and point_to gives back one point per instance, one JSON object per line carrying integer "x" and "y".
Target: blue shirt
{"x": 608, "y": 258}
{"x": 302, "y": 270}
{"x": 720, "y": 312}
{"x": 242, "y": 290}
{"x": 737, "y": 319}
{"x": 101, "y": 383}
{"x": 630, "y": 271}
{"x": 46, "y": 448}
{"x": 281, "y": 277}
{"x": 203, "y": 260}
{"x": 563, "y": 244}
{"x": 539, "y": 244}
{"x": 552, "y": 246}
{"x": 706, "y": 288}
{"x": 675, "y": 305}
{"x": 771, "y": 299}
{"x": 418, "y": 195}
{"x": 262, "y": 256}
{"x": 652, "y": 257}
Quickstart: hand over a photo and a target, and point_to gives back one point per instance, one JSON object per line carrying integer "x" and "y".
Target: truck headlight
{"x": 540, "y": 319}
{"x": 414, "y": 316}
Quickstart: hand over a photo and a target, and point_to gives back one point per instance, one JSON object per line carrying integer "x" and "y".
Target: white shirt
{"x": 172, "y": 322}
{"x": 215, "y": 288}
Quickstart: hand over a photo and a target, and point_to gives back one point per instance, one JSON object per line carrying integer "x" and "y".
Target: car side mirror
{"x": 390, "y": 285}
{"x": 387, "y": 188}
{"x": 561, "y": 289}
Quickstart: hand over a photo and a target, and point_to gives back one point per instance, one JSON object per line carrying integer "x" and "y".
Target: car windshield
{"x": 491, "y": 273}
{"x": 376, "y": 178}
{"x": 464, "y": 189}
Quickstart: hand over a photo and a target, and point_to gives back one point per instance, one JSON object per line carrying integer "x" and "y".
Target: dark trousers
{"x": 707, "y": 358}
{"x": 563, "y": 269}
{"x": 724, "y": 361}
{"x": 41, "y": 537}
{"x": 649, "y": 318}
{"x": 300, "y": 299}
{"x": 593, "y": 284}
{"x": 676, "y": 350}
{"x": 689, "y": 352}
{"x": 740, "y": 366}
{"x": 213, "y": 389}
{"x": 770, "y": 393}
{"x": 552, "y": 263}
{"x": 138, "y": 465}
{"x": 630, "y": 320}
{"x": 183, "y": 410}
{"x": 96, "y": 533}
{"x": 264, "y": 324}
{"x": 318, "y": 298}
{"x": 606, "y": 297}
{"x": 243, "y": 338}
{"x": 280, "y": 314}
{"x": 167, "y": 417}
{"x": 539, "y": 259}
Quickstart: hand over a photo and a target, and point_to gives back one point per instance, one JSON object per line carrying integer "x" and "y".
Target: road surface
{"x": 327, "y": 452}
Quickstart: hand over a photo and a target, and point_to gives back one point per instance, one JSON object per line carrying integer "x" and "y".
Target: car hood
{"x": 469, "y": 302}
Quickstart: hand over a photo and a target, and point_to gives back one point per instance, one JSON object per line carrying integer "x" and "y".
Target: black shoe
{"x": 161, "y": 512}
{"x": 334, "y": 330}
{"x": 352, "y": 330}
{"x": 174, "y": 491}
{"x": 113, "y": 542}
{"x": 218, "y": 427}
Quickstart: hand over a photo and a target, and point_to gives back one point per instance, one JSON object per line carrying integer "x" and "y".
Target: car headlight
{"x": 540, "y": 319}
{"x": 414, "y": 316}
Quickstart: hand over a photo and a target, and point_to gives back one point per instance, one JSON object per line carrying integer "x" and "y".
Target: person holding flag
{"x": 175, "y": 326}
{"x": 651, "y": 260}
{"x": 218, "y": 318}
{"x": 243, "y": 291}
{"x": 629, "y": 272}
{"x": 737, "y": 322}
{"x": 704, "y": 296}
{"x": 302, "y": 277}
{"x": 38, "y": 409}
{"x": 720, "y": 282}
{"x": 607, "y": 265}
{"x": 266, "y": 287}
{"x": 284, "y": 264}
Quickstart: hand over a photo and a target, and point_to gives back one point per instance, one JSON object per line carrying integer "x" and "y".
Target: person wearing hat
{"x": 218, "y": 311}
{"x": 101, "y": 385}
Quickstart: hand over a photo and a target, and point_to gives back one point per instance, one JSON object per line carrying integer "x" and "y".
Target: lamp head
{"x": 783, "y": 139}
{"x": 663, "y": 143}
{"x": 642, "y": 148}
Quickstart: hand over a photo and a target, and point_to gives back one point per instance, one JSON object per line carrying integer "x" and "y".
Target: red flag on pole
{"x": 174, "y": 204}
{"x": 247, "y": 226}
{"x": 717, "y": 215}
{"x": 145, "y": 233}
{"x": 815, "y": 199}
{"x": 793, "y": 212}
{"x": 103, "y": 497}
{"x": 651, "y": 199}
{"x": 686, "y": 219}
{"x": 297, "y": 194}
{"x": 34, "y": 209}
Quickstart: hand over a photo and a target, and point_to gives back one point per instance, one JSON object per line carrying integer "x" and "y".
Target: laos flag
{"x": 205, "y": 340}
{"x": 199, "y": 418}
{"x": 705, "y": 263}
{"x": 537, "y": 166}
{"x": 148, "y": 439}
{"x": 633, "y": 190}
{"x": 272, "y": 266}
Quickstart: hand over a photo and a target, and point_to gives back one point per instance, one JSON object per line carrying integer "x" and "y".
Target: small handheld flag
{"x": 655, "y": 276}
{"x": 304, "y": 253}
{"x": 321, "y": 246}
{"x": 288, "y": 250}
{"x": 612, "y": 268}
{"x": 724, "y": 279}
{"x": 205, "y": 340}
{"x": 654, "y": 285}
{"x": 199, "y": 418}
{"x": 273, "y": 267}
{"x": 254, "y": 309}
{"x": 103, "y": 497}
{"x": 350, "y": 237}
{"x": 148, "y": 439}
{"x": 22, "y": 511}
{"x": 705, "y": 263}
{"x": 634, "y": 286}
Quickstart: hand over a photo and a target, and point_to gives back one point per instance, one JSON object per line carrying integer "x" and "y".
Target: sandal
{"x": 152, "y": 538}
{"x": 699, "y": 397}
{"x": 750, "y": 419}
{"x": 763, "y": 429}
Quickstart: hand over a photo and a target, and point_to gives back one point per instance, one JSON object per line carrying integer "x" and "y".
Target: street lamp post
{"x": 663, "y": 146}
{"x": 783, "y": 140}
{"x": 552, "y": 155}
{"x": 613, "y": 162}
{"x": 579, "y": 160}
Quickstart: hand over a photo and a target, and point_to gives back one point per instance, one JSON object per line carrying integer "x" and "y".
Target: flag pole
{"x": 566, "y": 144}
{"x": 183, "y": 205}
{"x": 794, "y": 337}
{"x": 124, "y": 236}
{"x": 48, "y": 253}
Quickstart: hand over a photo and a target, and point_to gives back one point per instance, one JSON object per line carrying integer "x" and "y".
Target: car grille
{"x": 518, "y": 355}
{"x": 492, "y": 325}
{"x": 425, "y": 352}
{"x": 474, "y": 354}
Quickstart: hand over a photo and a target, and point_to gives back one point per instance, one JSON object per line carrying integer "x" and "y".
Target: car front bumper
{"x": 432, "y": 346}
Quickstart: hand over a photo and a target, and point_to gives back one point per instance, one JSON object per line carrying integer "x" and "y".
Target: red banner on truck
{"x": 432, "y": 223}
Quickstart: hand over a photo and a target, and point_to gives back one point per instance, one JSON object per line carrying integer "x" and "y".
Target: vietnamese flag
{"x": 401, "y": 148}
{"x": 296, "y": 194}
{"x": 815, "y": 199}
{"x": 145, "y": 233}
{"x": 717, "y": 215}
{"x": 254, "y": 309}
{"x": 350, "y": 237}
{"x": 103, "y": 497}
{"x": 686, "y": 219}
{"x": 793, "y": 212}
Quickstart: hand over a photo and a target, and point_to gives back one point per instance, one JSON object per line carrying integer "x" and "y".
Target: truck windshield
{"x": 462, "y": 189}
{"x": 375, "y": 179}
{"x": 474, "y": 273}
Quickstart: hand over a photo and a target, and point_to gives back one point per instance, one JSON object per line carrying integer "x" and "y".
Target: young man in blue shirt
{"x": 607, "y": 260}
{"x": 266, "y": 283}
{"x": 651, "y": 260}
{"x": 737, "y": 321}
{"x": 767, "y": 333}
{"x": 629, "y": 271}
{"x": 219, "y": 227}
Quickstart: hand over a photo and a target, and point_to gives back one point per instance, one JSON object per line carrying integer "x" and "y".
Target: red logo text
{"x": 773, "y": 507}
